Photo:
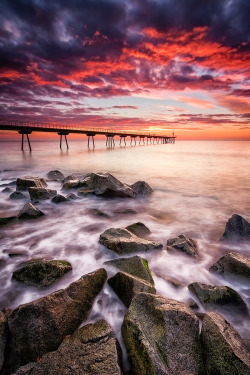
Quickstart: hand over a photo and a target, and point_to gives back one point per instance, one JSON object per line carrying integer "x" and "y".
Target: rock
{"x": 96, "y": 212}
{"x": 40, "y": 272}
{"x": 3, "y": 337}
{"x": 174, "y": 282}
{"x": 162, "y": 337}
{"x": 17, "y": 195}
{"x": 122, "y": 241}
{"x": 6, "y": 220}
{"x": 41, "y": 193}
{"x": 83, "y": 192}
{"x": 70, "y": 177}
{"x": 141, "y": 188}
{"x": 139, "y": 229}
{"x": 126, "y": 211}
{"x": 59, "y": 199}
{"x": 72, "y": 196}
{"x": 135, "y": 266}
{"x": 28, "y": 181}
{"x": 210, "y": 295}
{"x": 107, "y": 185}
{"x": 29, "y": 211}
{"x": 192, "y": 304}
{"x": 40, "y": 326}
{"x": 70, "y": 184}
{"x": 232, "y": 264}
{"x": 26, "y": 369}
{"x": 6, "y": 190}
{"x": 127, "y": 286}
{"x": 91, "y": 350}
{"x": 224, "y": 350}
{"x": 55, "y": 176}
{"x": 237, "y": 229}
{"x": 184, "y": 244}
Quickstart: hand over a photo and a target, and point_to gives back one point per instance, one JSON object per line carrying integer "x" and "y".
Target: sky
{"x": 153, "y": 65}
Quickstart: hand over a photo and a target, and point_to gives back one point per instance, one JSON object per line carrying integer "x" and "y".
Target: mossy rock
{"x": 162, "y": 337}
{"x": 210, "y": 295}
{"x": 135, "y": 266}
{"x": 40, "y": 272}
{"x": 127, "y": 286}
{"x": 224, "y": 350}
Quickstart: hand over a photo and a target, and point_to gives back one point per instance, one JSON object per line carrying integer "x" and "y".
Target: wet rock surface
{"x": 224, "y": 350}
{"x": 135, "y": 266}
{"x": 212, "y": 295}
{"x": 55, "y": 176}
{"x": 184, "y": 244}
{"x": 237, "y": 229}
{"x": 29, "y": 211}
{"x": 127, "y": 286}
{"x": 40, "y": 326}
{"x": 91, "y": 350}
{"x": 123, "y": 241}
{"x": 29, "y": 181}
{"x": 40, "y": 272}
{"x": 235, "y": 264}
{"x": 139, "y": 229}
{"x": 37, "y": 193}
{"x": 162, "y": 337}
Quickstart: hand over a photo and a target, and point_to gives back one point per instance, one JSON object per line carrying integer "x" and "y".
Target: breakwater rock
{"x": 40, "y": 326}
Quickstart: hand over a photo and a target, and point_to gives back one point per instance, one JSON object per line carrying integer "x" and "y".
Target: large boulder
{"x": 107, "y": 185}
{"x": 212, "y": 295}
{"x": 135, "y": 266}
{"x": 3, "y": 337}
{"x": 224, "y": 350}
{"x": 184, "y": 244}
{"x": 237, "y": 229}
{"x": 55, "y": 176}
{"x": 141, "y": 188}
{"x": 40, "y": 326}
{"x": 127, "y": 286}
{"x": 232, "y": 264}
{"x": 123, "y": 241}
{"x": 29, "y": 181}
{"x": 139, "y": 229}
{"x": 37, "y": 193}
{"x": 29, "y": 211}
{"x": 162, "y": 337}
{"x": 91, "y": 350}
{"x": 40, "y": 272}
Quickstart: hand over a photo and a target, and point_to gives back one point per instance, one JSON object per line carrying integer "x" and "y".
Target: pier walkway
{"x": 26, "y": 128}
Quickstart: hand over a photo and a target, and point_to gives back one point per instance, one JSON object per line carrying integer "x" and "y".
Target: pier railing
{"x": 73, "y": 128}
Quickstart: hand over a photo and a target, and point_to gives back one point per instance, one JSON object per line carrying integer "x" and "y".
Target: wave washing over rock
{"x": 88, "y": 288}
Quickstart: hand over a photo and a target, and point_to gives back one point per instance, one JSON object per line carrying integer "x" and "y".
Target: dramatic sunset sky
{"x": 132, "y": 64}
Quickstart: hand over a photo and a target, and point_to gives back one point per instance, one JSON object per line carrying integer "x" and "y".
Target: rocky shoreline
{"x": 161, "y": 335}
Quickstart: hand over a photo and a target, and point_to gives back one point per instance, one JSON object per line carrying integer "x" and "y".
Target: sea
{"x": 197, "y": 187}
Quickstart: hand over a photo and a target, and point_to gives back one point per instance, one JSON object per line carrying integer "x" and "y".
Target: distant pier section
{"x": 26, "y": 128}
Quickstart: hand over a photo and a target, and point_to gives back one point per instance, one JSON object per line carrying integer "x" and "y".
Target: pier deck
{"x": 26, "y": 128}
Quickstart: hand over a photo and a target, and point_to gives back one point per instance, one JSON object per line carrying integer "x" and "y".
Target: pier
{"x": 27, "y": 128}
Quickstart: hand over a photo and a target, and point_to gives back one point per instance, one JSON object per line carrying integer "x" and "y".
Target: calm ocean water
{"x": 197, "y": 187}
